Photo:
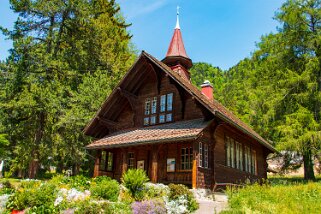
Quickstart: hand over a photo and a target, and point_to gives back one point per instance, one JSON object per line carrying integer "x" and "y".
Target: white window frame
{"x": 200, "y": 152}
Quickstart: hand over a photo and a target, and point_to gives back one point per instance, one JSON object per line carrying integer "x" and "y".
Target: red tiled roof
{"x": 183, "y": 130}
{"x": 176, "y": 47}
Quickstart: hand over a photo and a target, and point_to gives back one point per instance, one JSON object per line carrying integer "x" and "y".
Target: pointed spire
{"x": 176, "y": 56}
{"x": 177, "y": 19}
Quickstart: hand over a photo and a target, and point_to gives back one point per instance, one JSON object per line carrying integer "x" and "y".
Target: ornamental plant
{"x": 105, "y": 189}
{"x": 178, "y": 190}
{"x": 134, "y": 180}
{"x": 149, "y": 207}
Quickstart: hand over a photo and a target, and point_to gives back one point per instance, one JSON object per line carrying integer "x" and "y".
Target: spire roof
{"x": 176, "y": 47}
{"x": 176, "y": 56}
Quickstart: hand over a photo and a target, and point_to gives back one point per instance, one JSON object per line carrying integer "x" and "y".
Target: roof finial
{"x": 177, "y": 19}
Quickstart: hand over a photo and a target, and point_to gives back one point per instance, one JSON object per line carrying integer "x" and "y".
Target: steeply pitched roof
{"x": 216, "y": 108}
{"x": 183, "y": 130}
{"x": 176, "y": 47}
{"x": 213, "y": 106}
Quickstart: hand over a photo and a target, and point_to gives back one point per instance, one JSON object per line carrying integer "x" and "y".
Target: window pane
{"x": 130, "y": 160}
{"x": 232, "y": 153}
{"x": 241, "y": 157}
{"x": 146, "y": 121}
{"x": 102, "y": 164}
{"x": 154, "y": 105}
{"x": 153, "y": 120}
{"x": 162, "y": 118}
{"x": 205, "y": 155}
{"x": 168, "y": 117}
{"x": 110, "y": 161}
{"x": 228, "y": 151}
{"x": 200, "y": 154}
{"x": 169, "y": 102}
{"x": 162, "y": 103}
{"x": 237, "y": 154}
{"x": 147, "y": 106}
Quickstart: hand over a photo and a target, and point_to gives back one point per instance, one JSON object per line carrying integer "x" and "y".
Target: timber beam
{"x": 106, "y": 122}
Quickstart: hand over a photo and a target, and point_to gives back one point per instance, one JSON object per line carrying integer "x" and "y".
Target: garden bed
{"x": 80, "y": 194}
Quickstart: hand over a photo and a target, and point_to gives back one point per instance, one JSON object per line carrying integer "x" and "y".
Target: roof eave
{"x": 192, "y": 137}
{"x": 226, "y": 119}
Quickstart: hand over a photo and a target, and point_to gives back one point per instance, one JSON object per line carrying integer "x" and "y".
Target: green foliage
{"x": 177, "y": 190}
{"x": 40, "y": 197}
{"x": 79, "y": 182}
{"x": 134, "y": 180}
{"x": 66, "y": 58}
{"x": 294, "y": 198}
{"x": 105, "y": 189}
{"x": 6, "y": 187}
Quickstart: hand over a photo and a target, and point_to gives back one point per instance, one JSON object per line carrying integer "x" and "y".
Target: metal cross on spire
{"x": 177, "y": 18}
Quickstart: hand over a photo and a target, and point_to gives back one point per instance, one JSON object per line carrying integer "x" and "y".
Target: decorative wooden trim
{"x": 106, "y": 122}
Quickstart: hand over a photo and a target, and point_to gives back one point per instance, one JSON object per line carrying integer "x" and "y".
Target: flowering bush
{"x": 177, "y": 206}
{"x": 149, "y": 207}
{"x": 71, "y": 195}
{"x": 178, "y": 190}
{"x": 42, "y": 195}
{"x": 156, "y": 190}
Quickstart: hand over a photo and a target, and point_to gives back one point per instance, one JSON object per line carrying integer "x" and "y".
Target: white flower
{"x": 58, "y": 200}
{"x": 178, "y": 206}
{"x": 3, "y": 200}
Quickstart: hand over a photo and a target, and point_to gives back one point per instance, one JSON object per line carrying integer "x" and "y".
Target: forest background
{"x": 67, "y": 56}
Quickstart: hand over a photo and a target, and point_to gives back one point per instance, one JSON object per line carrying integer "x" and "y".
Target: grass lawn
{"x": 281, "y": 195}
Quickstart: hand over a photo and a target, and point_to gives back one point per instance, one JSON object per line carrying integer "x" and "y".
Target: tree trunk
{"x": 34, "y": 163}
{"x": 308, "y": 165}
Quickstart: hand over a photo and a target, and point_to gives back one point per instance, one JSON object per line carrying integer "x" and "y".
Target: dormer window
{"x": 161, "y": 113}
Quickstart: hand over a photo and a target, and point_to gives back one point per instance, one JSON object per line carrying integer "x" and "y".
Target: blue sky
{"x": 220, "y": 32}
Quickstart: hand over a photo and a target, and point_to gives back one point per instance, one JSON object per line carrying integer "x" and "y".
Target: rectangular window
{"x": 186, "y": 158}
{"x": 205, "y": 155}
{"x": 241, "y": 157}
{"x": 169, "y": 117}
{"x": 162, "y": 103}
{"x": 232, "y": 153}
{"x": 153, "y": 120}
{"x": 131, "y": 160}
{"x": 200, "y": 152}
{"x": 162, "y": 118}
{"x": 146, "y": 121}
{"x": 110, "y": 161}
{"x": 147, "y": 106}
{"x": 247, "y": 159}
{"x": 102, "y": 164}
{"x": 154, "y": 105}
{"x": 237, "y": 154}
{"x": 228, "y": 151}
{"x": 253, "y": 162}
{"x": 169, "y": 102}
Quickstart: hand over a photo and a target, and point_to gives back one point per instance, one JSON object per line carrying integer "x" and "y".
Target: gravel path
{"x": 210, "y": 206}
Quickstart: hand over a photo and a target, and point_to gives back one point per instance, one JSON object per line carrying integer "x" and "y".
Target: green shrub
{"x": 177, "y": 190}
{"x": 6, "y": 187}
{"x": 89, "y": 207}
{"x": 134, "y": 180}
{"x": 105, "y": 189}
{"x": 36, "y": 197}
{"x": 79, "y": 182}
{"x": 116, "y": 208}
